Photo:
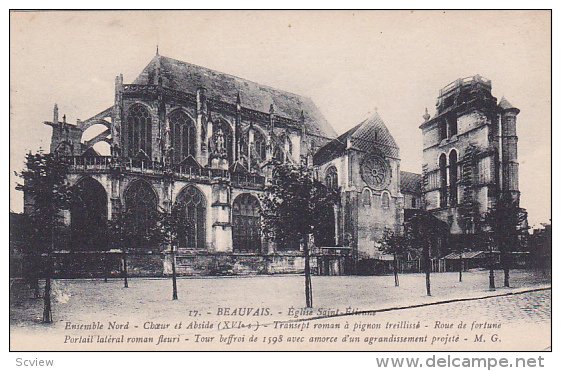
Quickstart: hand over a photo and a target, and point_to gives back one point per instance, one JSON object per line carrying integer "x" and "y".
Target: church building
{"x": 185, "y": 134}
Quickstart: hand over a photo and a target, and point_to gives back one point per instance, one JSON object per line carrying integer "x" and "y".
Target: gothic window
{"x": 413, "y": 202}
{"x": 88, "y": 216}
{"x": 194, "y": 210}
{"x": 138, "y": 131}
{"x": 182, "y": 136}
{"x": 246, "y": 224}
{"x": 443, "y": 181}
{"x": 141, "y": 205}
{"x": 453, "y": 172}
{"x": 259, "y": 145}
{"x": 366, "y": 197}
{"x": 385, "y": 200}
{"x": 331, "y": 178}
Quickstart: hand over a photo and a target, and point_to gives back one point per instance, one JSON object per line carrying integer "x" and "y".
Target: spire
{"x": 55, "y": 114}
{"x": 238, "y": 102}
{"x": 426, "y": 116}
{"x": 157, "y": 50}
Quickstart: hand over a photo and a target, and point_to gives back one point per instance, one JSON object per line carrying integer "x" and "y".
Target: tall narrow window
{"x": 452, "y": 121}
{"x": 366, "y": 197}
{"x": 331, "y": 178}
{"x": 246, "y": 224}
{"x": 141, "y": 205}
{"x": 443, "y": 181}
{"x": 385, "y": 200}
{"x": 194, "y": 211}
{"x": 88, "y": 216}
{"x": 138, "y": 132}
{"x": 182, "y": 136}
{"x": 453, "y": 158}
{"x": 259, "y": 146}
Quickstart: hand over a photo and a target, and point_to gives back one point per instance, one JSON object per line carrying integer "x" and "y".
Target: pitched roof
{"x": 410, "y": 182}
{"x": 188, "y": 77}
{"x": 371, "y": 135}
{"x": 505, "y": 104}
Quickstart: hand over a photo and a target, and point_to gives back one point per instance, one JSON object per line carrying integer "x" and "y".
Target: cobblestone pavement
{"x": 519, "y": 322}
{"x": 84, "y": 301}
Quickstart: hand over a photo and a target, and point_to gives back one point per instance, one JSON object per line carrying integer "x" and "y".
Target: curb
{"x": 414, "y": 306}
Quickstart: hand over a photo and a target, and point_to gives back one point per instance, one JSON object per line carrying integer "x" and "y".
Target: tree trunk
{"x": 47, "y": 311}
{"x": 427, "y": 269}
{"x": 35, "y": 287}
{"x": 307, "y": 274}
{"x": 173, "y": 274}
{"x": 395, "y": 273}
{"x": 461, "y": 265}
{"x": 105, "y": 270}
{"x": 125, "y": 273}
{"x": 506, "y": 268}
{"x": 491, "y": 279}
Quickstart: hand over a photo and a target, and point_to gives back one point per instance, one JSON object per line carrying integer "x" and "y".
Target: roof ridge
{"x": 237, "y": 77}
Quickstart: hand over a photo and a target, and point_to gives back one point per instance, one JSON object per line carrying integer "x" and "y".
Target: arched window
{"x": 88, "y": 216}
{"x": 366, "y": 197}
{"x": 194, "y": 211}
{"x": 453, "y": 172}
{"x": 138, "y": 130}
{"x": 259, "y": 146}
{"x": 331, "y": 178}
{"x": 246, "y": 224}
{"x": 443, "y": 181}
{"x": 141, "y": 206}
{"x": 385, "y": 200}
{"x": 182, "y": 136}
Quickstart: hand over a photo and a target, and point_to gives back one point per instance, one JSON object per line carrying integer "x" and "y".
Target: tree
{"x": 119, "y": 235}
{"x": 423, "y": 229}
{"x": 394, "y": 244}
{"x": 505, "y": 222}
{"x": 295, "y": 206}
{"x": 45, "y": 184}
{"x": 171, "y": 226}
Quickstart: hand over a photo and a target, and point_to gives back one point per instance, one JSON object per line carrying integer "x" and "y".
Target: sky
{"x": 351, "y": 63}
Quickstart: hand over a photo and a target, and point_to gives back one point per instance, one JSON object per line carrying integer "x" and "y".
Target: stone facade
{"x": 469, "y": 152}
{"x": 365, "y": 164}
{"x": 181, "y": 133}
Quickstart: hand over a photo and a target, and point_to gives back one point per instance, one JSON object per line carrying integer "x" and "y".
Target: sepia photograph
{"x": 244, "y": 180}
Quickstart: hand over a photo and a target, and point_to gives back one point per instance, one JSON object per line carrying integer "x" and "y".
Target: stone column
{"x": 221, "y": 211}
{"x": 117, "y": 118}
{"x": 201, "y": 138}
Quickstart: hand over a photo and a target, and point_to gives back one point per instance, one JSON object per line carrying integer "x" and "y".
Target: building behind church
{"x": 469, "y": 156}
